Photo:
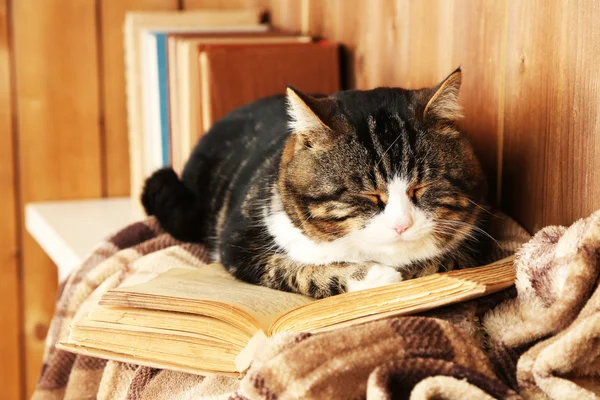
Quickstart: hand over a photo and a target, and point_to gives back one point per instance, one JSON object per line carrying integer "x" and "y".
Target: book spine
{"x": 136, "y": 161}
{"x": 163, "y": 96}
{"x": 150, "y": 104}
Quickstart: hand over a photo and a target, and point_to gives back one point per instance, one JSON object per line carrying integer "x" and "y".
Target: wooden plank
{"x": 551, "y": 149}
{"x": 291, "y": 15}
{"x": 388, "y": 41}
{"x": 341, "y": 21}
{"x": 388, "y": 44}
{"x": 479, "y": 41}
{"x": 417, "y": 43}
{"x": 551, "y": 153}
{"x": 214, "y": 4}
{"x": 57, "y": 101}
{"x": 11, "y": 366}
{"x": 114, "y": 104}
{"x": 392, "y": 45}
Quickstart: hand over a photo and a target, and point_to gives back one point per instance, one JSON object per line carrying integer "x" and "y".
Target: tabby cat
{"x": 323, "y": 195}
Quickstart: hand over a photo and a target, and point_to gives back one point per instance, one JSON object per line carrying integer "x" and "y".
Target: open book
{"x": 205, "y": 321}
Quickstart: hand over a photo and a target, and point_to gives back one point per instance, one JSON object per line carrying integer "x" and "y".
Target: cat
{"x": 321, "y": 195}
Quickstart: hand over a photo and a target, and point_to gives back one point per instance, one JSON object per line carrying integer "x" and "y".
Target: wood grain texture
{"x": 552, "y": 147}
{"x": 57, "y": 101}
{"x": 341, "y": 21}
{"x": 214, "y": 4}
{"x": 478, "y": 43}
{"x": 414, "y": 44}
{"x": 406, "y": 51}
{"x": 10, "y": 335}
{"x": 291, "y": 15}
{"x": 113, "y": 99}
{"x": 530, "y": 84}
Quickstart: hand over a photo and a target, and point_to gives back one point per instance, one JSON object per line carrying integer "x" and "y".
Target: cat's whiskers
{"x": 453, "y": 231}
{"x": 448, "y": 223}
{"x": 425, "y": 157}
{"x": 481, "y": 207}
{"x": 388, "y": 149}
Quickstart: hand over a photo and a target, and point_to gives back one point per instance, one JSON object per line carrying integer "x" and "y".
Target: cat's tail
{"x": 173, "y": 204}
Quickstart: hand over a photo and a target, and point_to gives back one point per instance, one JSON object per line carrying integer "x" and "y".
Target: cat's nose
{"x": 402, "y": 225}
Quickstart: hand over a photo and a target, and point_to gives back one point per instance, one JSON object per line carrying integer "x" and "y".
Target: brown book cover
{"x": 234, "y": 76}
{"x": 184, "y": 81}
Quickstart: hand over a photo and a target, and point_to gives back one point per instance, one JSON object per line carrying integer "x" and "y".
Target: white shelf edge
{"x": 51, "y": 242}
{"x": 69, "y": 230}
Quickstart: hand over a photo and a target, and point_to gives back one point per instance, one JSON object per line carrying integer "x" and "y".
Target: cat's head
{"x": 384, "y": 169}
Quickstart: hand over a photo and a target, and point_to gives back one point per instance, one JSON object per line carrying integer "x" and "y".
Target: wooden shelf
{"x": 68, "y": 230}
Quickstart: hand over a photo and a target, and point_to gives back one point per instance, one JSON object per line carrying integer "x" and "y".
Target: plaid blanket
{"x": 540, "y": 340}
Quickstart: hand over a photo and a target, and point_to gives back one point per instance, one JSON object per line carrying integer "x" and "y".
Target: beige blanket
{"x": 541, "y": 340}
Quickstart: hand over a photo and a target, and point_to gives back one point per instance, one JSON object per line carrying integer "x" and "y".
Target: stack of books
{"x": 185, "y": 70}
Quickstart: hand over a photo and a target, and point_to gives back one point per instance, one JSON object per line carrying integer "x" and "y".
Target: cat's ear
{"x": 442, "y": 100}
{"x": 310, "y": 118}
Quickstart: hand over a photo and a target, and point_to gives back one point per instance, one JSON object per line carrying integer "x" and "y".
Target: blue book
{"x": 163, "y": 95}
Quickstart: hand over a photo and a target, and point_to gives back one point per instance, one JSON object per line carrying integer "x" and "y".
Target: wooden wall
{"x": 531, "y": 84}
{"x": 531, "y": 93}
{"x": 531, "y": 87}
{"x": 11, "y": 363}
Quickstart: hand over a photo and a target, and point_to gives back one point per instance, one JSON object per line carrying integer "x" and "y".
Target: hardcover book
{"x": 205, "y": 321}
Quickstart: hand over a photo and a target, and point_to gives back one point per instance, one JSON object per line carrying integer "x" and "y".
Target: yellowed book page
{"x": 161, "y": 345}
{"x": 139, "y": 360}
{"x": 212, "y": 283}
{"x": 141, "y": 318}
{"x": 94, "y": 331}
{"x": 403, "y": 298}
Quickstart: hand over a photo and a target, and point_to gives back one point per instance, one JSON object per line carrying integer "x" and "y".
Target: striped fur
{"x": 301, "y": 193}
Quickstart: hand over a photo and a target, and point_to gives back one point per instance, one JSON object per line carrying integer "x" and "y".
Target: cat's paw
{"x": 377, "y": 275}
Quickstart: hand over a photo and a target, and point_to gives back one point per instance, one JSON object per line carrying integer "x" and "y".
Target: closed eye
{"x": 331, "y": 211}
{"x": 378, "y": 198}
{"x": 415, "y": 192}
